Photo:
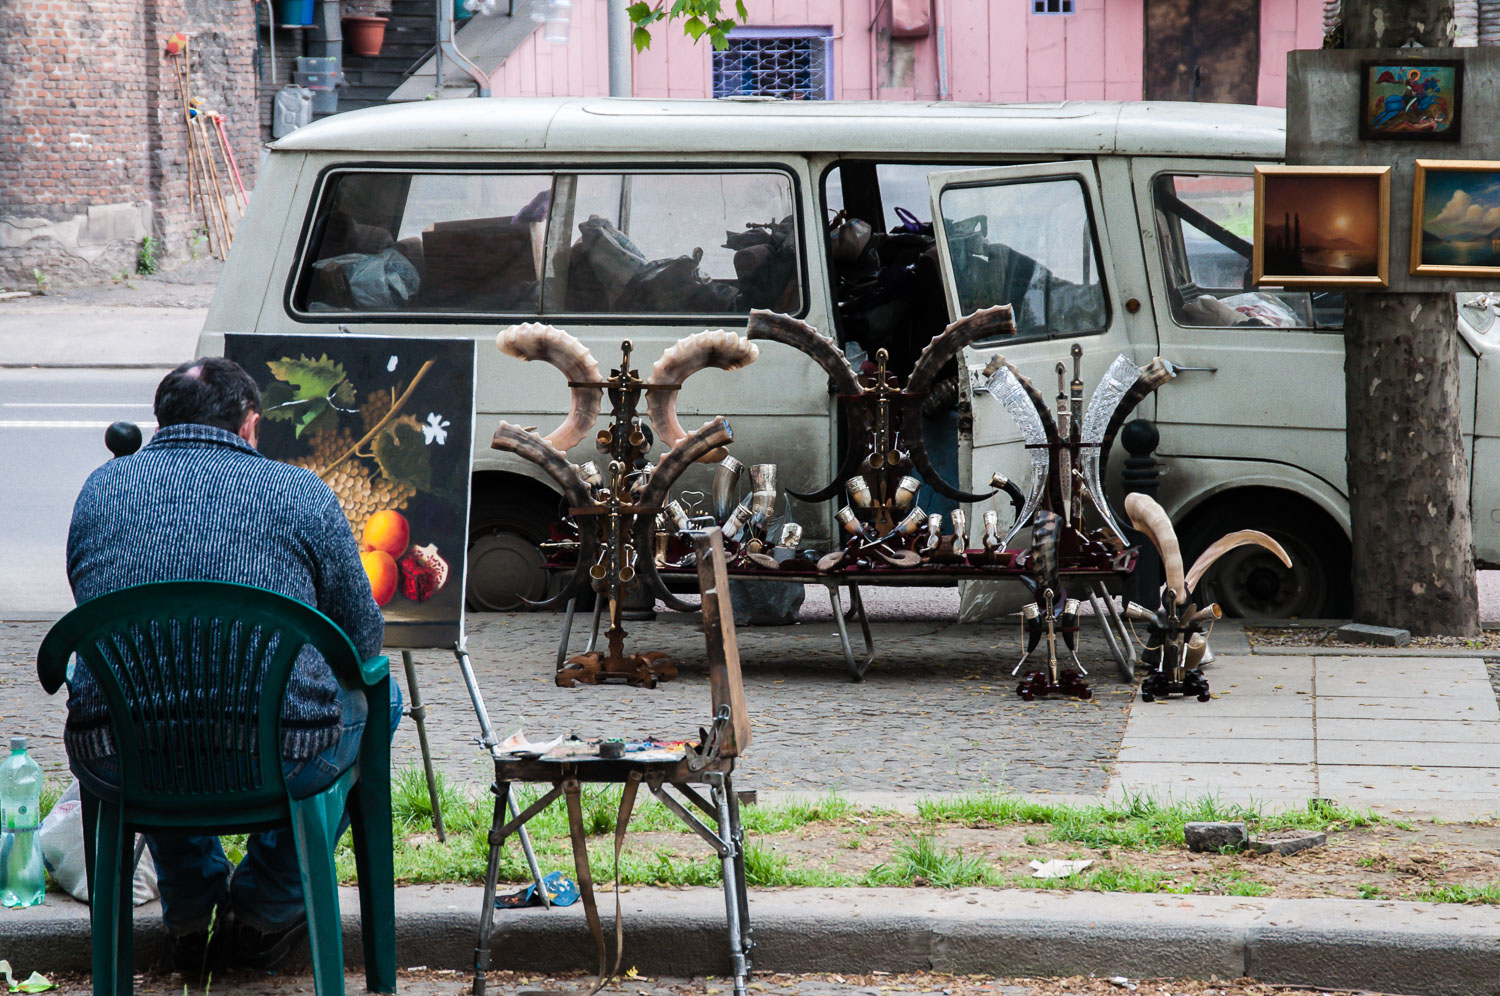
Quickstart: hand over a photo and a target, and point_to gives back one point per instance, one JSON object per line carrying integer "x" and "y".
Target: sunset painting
{"x": 1321, "y": 226}
{"x": 1456, "y": 212}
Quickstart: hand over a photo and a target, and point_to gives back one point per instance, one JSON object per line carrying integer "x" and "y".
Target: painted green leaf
{"x": 305, "y": 390}
{"x": 402, "y": 454}
{"x": 309, "y": 378}
{"x": 275, "y": 401}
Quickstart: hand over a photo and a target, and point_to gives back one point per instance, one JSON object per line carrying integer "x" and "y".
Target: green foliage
{"x": 700, "y": 18}
{"x": 401, "y": 451}
{"x": 1369, "y": 891}
{"x": 40, "y": 278}
{"x": 148, "y": 256}
{"x": 921, "y": 858}
{"x": 308, "y": 391}
{"x": 1485, "y": 895}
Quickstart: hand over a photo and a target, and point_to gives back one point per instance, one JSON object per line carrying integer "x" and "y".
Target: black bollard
{"x": 123, "y": 438}
{"x": 1140, "y": 474}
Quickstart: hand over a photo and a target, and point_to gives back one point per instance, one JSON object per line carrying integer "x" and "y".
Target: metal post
{"x": 619, "y": 50}
{"x": 418, "y": 713}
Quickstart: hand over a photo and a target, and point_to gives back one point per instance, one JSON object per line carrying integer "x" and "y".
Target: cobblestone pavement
{"x": 449, "y": 983}
{"x": 937, "y": 711}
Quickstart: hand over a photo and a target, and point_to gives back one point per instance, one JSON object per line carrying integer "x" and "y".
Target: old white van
{"x": 1124, "y": 227}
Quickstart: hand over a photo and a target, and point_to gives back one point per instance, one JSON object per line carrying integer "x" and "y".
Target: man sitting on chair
{"x": 199, "y": 502}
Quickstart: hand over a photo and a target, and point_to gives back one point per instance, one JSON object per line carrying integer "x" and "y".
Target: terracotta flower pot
{"x": 364, "y": 34}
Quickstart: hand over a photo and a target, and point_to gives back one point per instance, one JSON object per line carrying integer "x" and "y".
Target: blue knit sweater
{"x": 199, "y": 503}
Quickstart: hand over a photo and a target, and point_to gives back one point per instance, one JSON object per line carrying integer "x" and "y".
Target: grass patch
{"x": 1138, "y": 822}
{"x": 922, "y": 861}
{"x": 1480, "y": 895}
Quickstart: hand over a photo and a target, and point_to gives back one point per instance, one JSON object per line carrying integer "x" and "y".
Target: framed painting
{"x": 388, "y": 423}
{"x": 1411, "y": 99}
{"x": 1322, "y": 226}
{"x": 1455, "y": 224}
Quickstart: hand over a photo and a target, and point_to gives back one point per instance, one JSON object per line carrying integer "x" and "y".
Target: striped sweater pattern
{"x": 199, "y": 503}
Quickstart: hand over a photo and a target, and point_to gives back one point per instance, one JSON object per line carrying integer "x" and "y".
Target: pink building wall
{"x": 997, "y": 51}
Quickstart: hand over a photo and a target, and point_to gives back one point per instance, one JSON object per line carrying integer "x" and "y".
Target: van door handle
{"x": 1177, "y": 368}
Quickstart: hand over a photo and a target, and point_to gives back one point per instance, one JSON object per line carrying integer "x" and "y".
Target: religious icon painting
{"x": 387, "y": 422}
{"x": 1322, "y": 226}
{"x": 1455, "y": 230}
{"x": 1411, "y": 99}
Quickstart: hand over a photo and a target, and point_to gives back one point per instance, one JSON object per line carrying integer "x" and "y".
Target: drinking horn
{"x": 687, "y": 356}
{"x": 1225, "y": 543}
{"x": 935, "y": 355}
{"x": 530, "y": 446}
{"x": 1150, "y": 518}
{"x": 689, "y": 450}
{"x": 535, "y": 341}
{"x": 800, "y": 335}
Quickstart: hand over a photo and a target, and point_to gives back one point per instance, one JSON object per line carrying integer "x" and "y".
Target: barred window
{"x": 1052, "y": 6}
{"x": 775, "y": 62}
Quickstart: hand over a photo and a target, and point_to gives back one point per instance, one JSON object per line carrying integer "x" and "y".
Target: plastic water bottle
{"x": 23, "y": 881}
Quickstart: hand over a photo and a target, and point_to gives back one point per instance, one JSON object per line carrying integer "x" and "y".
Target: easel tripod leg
{"x": 739, "y": 961}
{"x": 419, "y": 716}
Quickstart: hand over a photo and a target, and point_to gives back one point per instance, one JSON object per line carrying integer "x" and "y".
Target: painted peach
{"x": 381, "y": 569}
{"x": 387, "y": 531}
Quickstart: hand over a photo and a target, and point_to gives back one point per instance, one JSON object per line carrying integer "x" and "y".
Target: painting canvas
{"x": 388, "y": 423}
{"x": 1322, "y": 225}
{"x": 1456, "y": 218}
{"x": 1411, "y": 99}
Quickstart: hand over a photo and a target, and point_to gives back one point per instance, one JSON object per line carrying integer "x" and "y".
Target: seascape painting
{"x": 1456, "y": 223}
{"x": 1321, "y": 226}
{"x": 1411, "y": 99}
{"x": 388, "y": 423}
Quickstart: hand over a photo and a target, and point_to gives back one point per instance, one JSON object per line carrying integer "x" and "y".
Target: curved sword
{"x": 1007, "y": 389}
{"x": 1110, "y": 391}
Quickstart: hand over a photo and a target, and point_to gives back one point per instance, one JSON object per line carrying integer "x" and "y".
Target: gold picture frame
{"x": 1460, "y": 239}
{"x": 1342, "y": 245}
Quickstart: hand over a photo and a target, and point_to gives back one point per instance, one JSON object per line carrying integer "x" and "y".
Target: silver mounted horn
{"x": 906, "y": 490}
{"x": 960, "y": 530}
{"x": 726, "y": 477}
{"x": 913, "y": 521}
{"x": 859, "y": 492}
{"x": 1007, "y": 389}
{"x": 1108, "y": 393}
{"x": 791, "y": 536}
{"x": 992, "y": 541}
{"x": 762, "y": 477}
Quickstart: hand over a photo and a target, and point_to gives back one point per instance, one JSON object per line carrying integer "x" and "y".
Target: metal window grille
{"x": 789, "y": 67}
{"x": 1052, "y": 6}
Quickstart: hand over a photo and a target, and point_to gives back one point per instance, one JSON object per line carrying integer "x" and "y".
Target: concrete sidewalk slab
{"x": 1388, "y": 946}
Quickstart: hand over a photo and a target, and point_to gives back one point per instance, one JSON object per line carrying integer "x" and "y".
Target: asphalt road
{"x": 52, "y": 424}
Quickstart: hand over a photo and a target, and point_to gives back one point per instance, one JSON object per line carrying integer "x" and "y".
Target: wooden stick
{"x": 241, "y": 199}
{"x": 204, "y": 162}
{"x": 213, "y": 173}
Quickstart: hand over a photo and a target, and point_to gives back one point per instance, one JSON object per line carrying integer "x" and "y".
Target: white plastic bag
{"x": 61, "y": 835}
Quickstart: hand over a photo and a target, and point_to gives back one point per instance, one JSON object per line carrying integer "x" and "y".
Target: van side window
{"x": 463, "y": 242}
{"x": 428, "y": 242}
{"x": 1205, "y": 227}
{"x": 1030, "y": 244}
{"x": 673, "y": 243}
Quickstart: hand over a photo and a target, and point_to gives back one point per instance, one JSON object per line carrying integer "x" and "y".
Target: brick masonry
{"x": 93, "y": 147}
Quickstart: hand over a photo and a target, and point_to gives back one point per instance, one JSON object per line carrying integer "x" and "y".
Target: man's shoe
{"x": 201, "y": 953}
{"x": 254, "y": 948}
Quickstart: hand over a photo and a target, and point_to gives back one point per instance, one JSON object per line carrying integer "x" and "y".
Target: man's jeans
{"x": 265, "y": 890}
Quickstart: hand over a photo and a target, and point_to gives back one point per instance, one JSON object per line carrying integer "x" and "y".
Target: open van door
{"x": 1032, "y": 237}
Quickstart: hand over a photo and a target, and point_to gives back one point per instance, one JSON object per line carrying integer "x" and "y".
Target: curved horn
{"x": 687, "y": 356}
{"x": 711, "y": 434}
{"x": 854, "y": 456}
{"x": 800, "y": 335}
{"x": 535, "y": 341}
{"x": 1232, "y": 541}
{"x": 530, "y": 446}
{"x": 1044, "y": 534}
{"x": 946, "y": 344}
{"x": 1151, "y": 519}
{"x": 1153, "y": 375}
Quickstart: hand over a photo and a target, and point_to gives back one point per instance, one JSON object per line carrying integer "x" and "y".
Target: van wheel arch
{"x": 1250, "y": 581}
{"x": 509, "y": 517}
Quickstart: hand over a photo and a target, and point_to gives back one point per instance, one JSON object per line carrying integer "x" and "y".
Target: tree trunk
{"x": 1408, "y": 475}
{"x": 1412, "y": 530}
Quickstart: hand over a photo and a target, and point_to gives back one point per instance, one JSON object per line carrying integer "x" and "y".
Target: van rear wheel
{"x": 1252, "y": 582}
{"x": 505, "y": 559}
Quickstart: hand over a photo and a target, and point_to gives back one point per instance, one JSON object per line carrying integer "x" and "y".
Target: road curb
{"x": 1332, "y": 943}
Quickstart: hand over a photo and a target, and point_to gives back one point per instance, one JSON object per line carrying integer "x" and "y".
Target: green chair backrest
{"x": 194, "y": 674}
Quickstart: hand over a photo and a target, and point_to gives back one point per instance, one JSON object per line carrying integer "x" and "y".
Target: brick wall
{"x": 93, "y": 149}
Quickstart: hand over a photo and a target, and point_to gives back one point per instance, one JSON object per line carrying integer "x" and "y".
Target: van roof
{"x": 487, "y": 124}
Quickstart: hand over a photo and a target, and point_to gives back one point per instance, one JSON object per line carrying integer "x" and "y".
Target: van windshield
{"x": 1206, "y": 228}
{"x": 459, "y": 242}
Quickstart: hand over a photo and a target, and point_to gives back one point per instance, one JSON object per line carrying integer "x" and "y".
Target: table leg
{"x": 1097, "y": 599}
{"x": 418, "y": 713}
{"x": 857, "y": 669}
{"x": 567, "y": 632}
{"x": 491, "y": 880}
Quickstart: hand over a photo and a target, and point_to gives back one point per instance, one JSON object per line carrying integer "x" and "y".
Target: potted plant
{"x": 364, "y": 25}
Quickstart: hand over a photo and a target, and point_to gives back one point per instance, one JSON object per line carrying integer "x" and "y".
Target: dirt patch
{"x": 1319, "y": 636}
{"x": 1362, "y": 863}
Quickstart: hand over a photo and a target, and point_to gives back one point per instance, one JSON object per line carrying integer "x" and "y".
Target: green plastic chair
{"x": 209, "y": 762}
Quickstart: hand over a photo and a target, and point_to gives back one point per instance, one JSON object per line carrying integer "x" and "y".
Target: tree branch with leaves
{"x": 699, "y": 18}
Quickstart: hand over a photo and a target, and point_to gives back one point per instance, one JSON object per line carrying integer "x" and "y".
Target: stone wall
{"x": 93, "y": 147}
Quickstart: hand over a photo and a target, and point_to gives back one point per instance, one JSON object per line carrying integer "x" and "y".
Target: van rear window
{"x": 687, "y": 243}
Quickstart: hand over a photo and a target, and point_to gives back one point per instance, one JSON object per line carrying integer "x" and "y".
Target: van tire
{"x": 505, "y": 557}
{"x": 1251, "y": 582}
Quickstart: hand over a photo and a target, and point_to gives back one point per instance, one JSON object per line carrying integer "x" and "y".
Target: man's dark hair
{"x": 207, "y": 391}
